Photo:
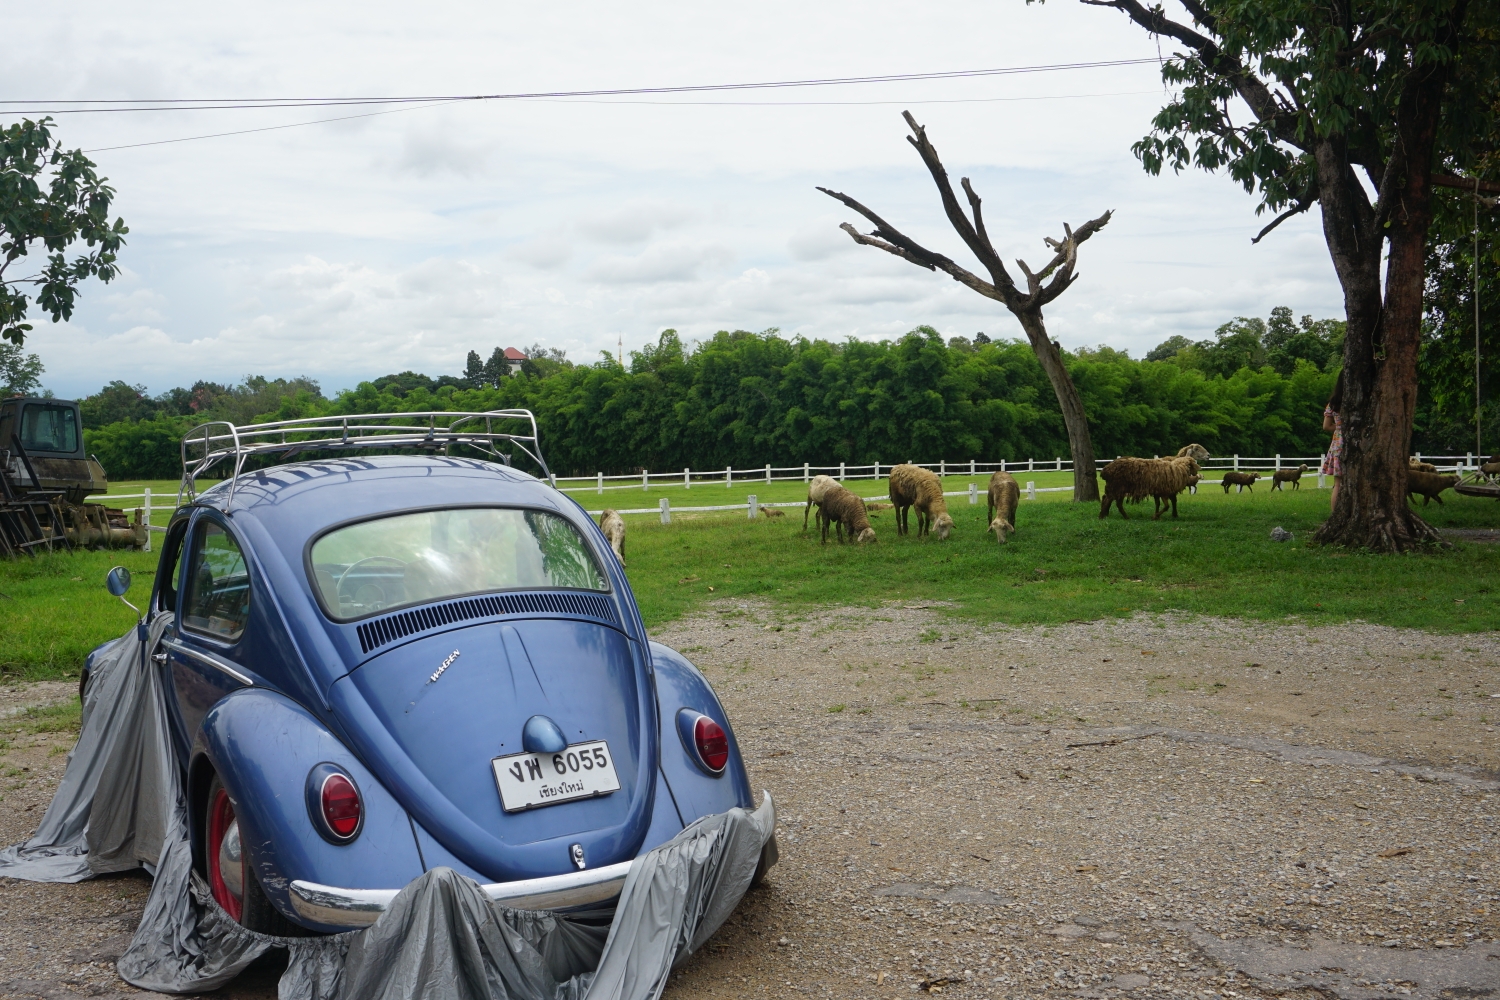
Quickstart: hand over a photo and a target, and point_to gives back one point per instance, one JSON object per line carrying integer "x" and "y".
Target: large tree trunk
{"x": 1383, "y": 341}
{"x": 1085, "y": 481}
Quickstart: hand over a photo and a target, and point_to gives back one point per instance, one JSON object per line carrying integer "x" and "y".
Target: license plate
{"x": 529, "y": 780}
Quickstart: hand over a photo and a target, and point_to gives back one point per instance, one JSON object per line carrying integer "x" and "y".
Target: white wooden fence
{"x": 730, "y": 477}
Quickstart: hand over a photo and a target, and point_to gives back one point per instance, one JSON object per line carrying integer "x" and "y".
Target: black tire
{"x": 256, "y": 912}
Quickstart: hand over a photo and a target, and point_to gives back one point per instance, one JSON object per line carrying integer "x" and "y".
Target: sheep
{"x": 1429, "y": 484}
{"x": 1240, "y": 479}
{"x": 772, "y": 512}
{"x": 1134, "y": 479}
{"x": 1005, "y": 496}
{"x": 1193, "y": 482}
{"x": 815, "y": 495}
{"x": 1492, "y": 467}
{"x": 873, "y": 507}
{"x": 914, "y": 486}
{"x": 847, "y": 511}
{"x": 1292, "y": 476}
{"x": 613, "y": 526}
{"x": 1196, "y": 452}
{"x": 1417, "y": 466}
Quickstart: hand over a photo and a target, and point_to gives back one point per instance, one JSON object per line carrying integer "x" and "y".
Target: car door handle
{"x": 159, "y": 657}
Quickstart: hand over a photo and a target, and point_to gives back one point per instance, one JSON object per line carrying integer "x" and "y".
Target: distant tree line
{"x": 745, "y": 399}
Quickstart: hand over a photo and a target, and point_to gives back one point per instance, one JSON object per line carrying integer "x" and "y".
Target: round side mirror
{"x": 117, "y": 581}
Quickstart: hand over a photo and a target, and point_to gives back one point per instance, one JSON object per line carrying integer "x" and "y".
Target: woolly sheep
{"x": 842, "y": 508}
{"x": 914, "y": 486}
{"x": 1134, "y": 479}
{"x": 1240, "y": 479}
{"x": 1196, "y": 452}
{"x": 815, "y": 495}
{"x": 1292, "y": 476}
{"x": 613, "y": 526}
{"x": 1004, "y": 497}
{"x": 1413, "y": 464}
{"x": 1429, "y": 484}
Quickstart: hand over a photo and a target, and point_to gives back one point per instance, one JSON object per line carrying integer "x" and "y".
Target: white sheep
{"x": 815, "y": 491}
{"x": 613, "y": 526}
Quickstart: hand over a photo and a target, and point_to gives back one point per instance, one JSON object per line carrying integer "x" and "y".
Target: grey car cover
{"x": 122, "y": 805}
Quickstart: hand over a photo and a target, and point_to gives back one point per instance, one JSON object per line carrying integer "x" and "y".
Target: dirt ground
{"x": 1158, "y": 806}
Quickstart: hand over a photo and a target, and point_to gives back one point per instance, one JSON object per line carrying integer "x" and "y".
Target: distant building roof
{"x": 511, "y": 354}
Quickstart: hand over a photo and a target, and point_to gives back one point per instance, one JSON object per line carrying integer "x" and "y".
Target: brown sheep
{"x": 1293, "y": 476}
{"x": 613, "y": 526}
{"x": 1417, "y": 466}
{"x": 1134, "y": 479}
{"x": 815, "y": 495}
{"x": 1240, "y": 479}
{"x": 847, "y": 511}
{"x": 1196, "y": 452}
{"x": 1004, "y": 498}
{"x": 1492, "y": 467}
{"x": 914, "y": 486}
{"x": 1429, "y": 484}
{"x": 1193, "y": 482}
{"x": 772, "y": 512}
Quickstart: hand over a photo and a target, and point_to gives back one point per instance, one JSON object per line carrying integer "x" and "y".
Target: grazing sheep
{"x": 1196, "y": 452}
{"x": 1193, "y": 482}
{"x": 1492, "y": 467}
{"x": 1416, "y": 466}
{"x": 847, "y": 511}
{"x": 772, "y": 512}
{"x": 1240, "y": 479}
{"x": 613, "y": 526}
{"x": 815, "y": 495}
{"x": 873, "y": 507}
{"x": 1134, "y": 479}
{"x": 914, "y": 486}
{"x": 1429, "y": 484}
{"x": 1292, "y": 476}
{"x": 1005, "y": 496}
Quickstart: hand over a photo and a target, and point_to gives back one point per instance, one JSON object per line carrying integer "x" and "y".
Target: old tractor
{"x": 45, "y": 478}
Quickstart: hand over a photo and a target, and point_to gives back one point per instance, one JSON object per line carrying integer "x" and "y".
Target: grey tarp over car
{"x": 122, "y": 805}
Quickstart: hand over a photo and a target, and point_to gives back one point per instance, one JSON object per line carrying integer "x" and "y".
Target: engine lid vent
{"x": 382, "y": 631}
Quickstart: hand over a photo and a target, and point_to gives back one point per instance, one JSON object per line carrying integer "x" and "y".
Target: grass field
{"x": 1062, "y": 564}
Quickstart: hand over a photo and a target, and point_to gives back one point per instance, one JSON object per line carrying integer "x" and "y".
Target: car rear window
{"x": 428, "y": 556}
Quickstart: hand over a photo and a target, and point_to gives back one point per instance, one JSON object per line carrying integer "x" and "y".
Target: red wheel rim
{"x": 220, "y": 818}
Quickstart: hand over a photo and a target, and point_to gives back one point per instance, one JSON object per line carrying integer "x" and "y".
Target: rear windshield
{"x": 415, "y": 558}
{"x": 49, "y": 428}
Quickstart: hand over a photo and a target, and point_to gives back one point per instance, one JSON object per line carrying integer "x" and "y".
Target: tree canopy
{"x": 50, "y": 199}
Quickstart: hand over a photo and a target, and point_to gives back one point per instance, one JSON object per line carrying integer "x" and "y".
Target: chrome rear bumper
{"x": 334, "y": 907}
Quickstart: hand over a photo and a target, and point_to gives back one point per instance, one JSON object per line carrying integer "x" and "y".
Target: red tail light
{"x": 341, "y": 805}
{"x": 713, "y": 745}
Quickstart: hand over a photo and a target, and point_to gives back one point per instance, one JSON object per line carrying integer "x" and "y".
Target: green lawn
{"x": 1062, "y": 564}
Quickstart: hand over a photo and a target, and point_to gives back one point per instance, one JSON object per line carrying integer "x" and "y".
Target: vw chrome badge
{"x": 575, "y": 852}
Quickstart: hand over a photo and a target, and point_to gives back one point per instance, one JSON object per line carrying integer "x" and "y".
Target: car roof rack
{"x": 437, "y": 431}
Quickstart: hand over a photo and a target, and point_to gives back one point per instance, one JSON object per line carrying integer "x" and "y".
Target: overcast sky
{"x": 350, "y": 249}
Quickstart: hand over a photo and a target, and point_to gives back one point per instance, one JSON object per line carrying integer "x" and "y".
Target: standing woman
{"x": 1333, "y": 461}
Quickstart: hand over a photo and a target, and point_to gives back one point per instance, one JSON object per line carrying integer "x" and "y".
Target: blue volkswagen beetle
{"x": 381, "y": 664}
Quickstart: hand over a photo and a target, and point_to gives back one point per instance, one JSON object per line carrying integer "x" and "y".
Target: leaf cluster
{"x": 50, "y": 199}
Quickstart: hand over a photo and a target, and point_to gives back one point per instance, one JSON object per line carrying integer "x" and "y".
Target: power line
{"x": 113, "y": 105}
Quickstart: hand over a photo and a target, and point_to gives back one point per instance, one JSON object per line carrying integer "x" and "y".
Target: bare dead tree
{"x": 1026, "y": 305}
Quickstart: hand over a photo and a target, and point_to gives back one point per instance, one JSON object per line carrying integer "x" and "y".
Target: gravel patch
{"x": 1158, "y": 806}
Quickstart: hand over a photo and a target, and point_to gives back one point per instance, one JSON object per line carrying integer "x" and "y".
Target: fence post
{"x": 1278, "y": 461}
{"x": 1236, "y": 461}
{"x": 877, "y": 470}
{"x": 1320, "y": 478}
{"x": 1058, "y": 460}
{"x": 728, "y": 475}
{"x": 666, "y": 511}
{"x": 971, "y": 466}
{"x": 753, "y": 506}
{"x": 1031, "y": 465}
{"x": 601, "y": 484}
{"x": 768, "y": 472}
{"x": 147, "y": 513}
{"x": 973, "y": 493}
{"x": 645, "y": 482}
{"x": 1030, "y": 489}
{"x": 841, "y": 472}
{"x": 687, "y": 479}
{"x": 1419, "y": 456}
{"x": 805, "y": 470}
{"x": 943, "y": 467}
{"x": 1468, "y": 459}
